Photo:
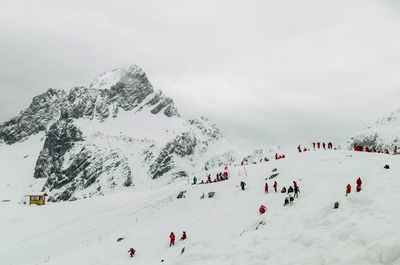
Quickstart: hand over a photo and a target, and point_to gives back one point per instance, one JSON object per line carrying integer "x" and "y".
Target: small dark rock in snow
{"x": 211, "y": 194}
{"x": 120, "y": 239}
{"x": 202, "y": 196}
{"x": 183, "y": 250}
{"x": 273, "y": 175}
{"x": 25, "y": 156}
{"x": 274, "y": 170}
{"x": 336, "y": 205}
{"x": 386, "y": 166}
{"x": 181, "y": 194}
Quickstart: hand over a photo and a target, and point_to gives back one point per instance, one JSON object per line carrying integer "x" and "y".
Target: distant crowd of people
{"x": 219, "y": 177}
{"x": 360, "y": 148}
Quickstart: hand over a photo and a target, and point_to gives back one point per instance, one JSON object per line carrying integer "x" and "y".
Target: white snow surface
{"x": 221, "y": 230}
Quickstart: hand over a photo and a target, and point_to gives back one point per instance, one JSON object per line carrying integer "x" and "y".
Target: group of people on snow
{"x": 360, "y": 148}
{"x": 219, "y": 177}
{"x": 358, "y": 187}
{"x": 277, "y": 157}
{"x": 172, "y": 238}
{"x": 324, "y": 146}
{"x": 295, "y": 189}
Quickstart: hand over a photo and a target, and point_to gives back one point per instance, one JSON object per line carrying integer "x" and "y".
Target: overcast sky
{"x": 267, "y": 72}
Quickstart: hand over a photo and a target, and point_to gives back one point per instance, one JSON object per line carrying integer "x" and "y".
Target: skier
{"x": 262, "y": 209}
{"x": 275, "y": 186}
{"x": 183, "y": 237}
{"x": 266, "y": 187}
{"x": 283, "y": 190}
{"x": 132, "y": 252}
{"x": 172, "y": 239}
{"x": 290, "y": 189}
{"x": 194, "y": 180}
{"x": 348, "y": 189}
{"x": 358, "y": 182}
{"x": 242, "y": 184}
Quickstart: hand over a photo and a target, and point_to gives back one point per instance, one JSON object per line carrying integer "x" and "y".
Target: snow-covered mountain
{"x": 117, "y": 133}
{"x": 384, "y": 134}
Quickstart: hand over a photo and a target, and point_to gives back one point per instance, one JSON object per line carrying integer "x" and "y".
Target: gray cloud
{"x": 267, "y": 72}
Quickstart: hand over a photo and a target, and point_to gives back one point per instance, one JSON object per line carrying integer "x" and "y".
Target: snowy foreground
{"x": 223, "y": 229}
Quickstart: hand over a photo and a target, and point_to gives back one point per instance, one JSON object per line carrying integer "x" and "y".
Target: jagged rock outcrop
{"x": 129, "y": 90}
{"x": 43, "y": 110}
{"x": 183, "y": 145}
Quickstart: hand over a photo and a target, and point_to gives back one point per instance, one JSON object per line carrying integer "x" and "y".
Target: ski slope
{"x": 223, "y": 230}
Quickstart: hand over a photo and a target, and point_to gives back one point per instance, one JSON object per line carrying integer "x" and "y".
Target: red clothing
{"x": 172, "y": 237}
{"x": 359, "y": 182}
{"x": 275, "y": 186}
{"x": 295, "y": 184}
{"x": 276, "y": 156}
{"x": 266, "y": 159}
{"x": 262, "y": 209}
{"x": 131, "y": 252}
{"x": 348, "y": 189}
{"x": 266, "y": 187}
{"x": 313, "y": 144}
{"x": 299, "y": 148}
{"x": 283, "y": 156}
{"x": 318, "y": 145}
{"x": 242, "y": 163}
{"x": 183, "y": 236}
{"x": 323, "y": 145}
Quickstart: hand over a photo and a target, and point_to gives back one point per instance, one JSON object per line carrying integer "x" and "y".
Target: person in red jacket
{"x": 318, "y": 144}
{"x": 323, "y": 145}
{"x": 241, "y": 163}
{"x": 131, "y": 252}
{"x": 275, "y": 186}
{"x": 276, "y": 156}
{"x": 348, "y": 189}
{"x": 283, "y": 156}
{"x": 329, "y": 145}
{"x": 172, "y": 239}
{"x": 266, "y": 187}
{"x": 183, "y": 237}
{"x": 313, "y": 144}
{"x": 299, "y": 148}
{"x": 262, "y": 209}
{"x": 266, "y": 159}
{"x": 358, "y": 182}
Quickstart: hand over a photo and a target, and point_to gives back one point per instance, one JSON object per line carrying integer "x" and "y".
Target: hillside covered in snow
{"x": 383, "y": 134}
{"x": 228, "y": 228}
{"x": 116, "y": 134}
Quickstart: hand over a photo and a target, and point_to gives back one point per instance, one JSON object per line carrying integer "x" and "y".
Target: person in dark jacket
{"x": 283, "y": 190}
{"x": 242, "y": 184}
{"x": 290, "y": 190}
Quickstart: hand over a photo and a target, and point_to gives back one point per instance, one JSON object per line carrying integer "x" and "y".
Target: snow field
{"x": 222, "y": 230}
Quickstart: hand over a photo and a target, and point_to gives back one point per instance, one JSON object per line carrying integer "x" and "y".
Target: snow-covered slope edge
{"x": 384, "y": 134}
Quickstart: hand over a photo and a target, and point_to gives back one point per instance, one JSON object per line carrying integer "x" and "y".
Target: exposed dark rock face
{"x": 43, "y": 110}
{"x": 183, "y": 145}
{"x": 133, "y": 91}
{"x": 60, "y": 138}
{"x": 67, "y": 175}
